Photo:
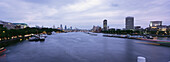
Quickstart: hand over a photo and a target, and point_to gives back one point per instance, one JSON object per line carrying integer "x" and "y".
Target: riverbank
{"x": 8, "y": 42}
{"x": 74, "y": 46}
{"x": 8, "y": 37}
{"x": 143, "y": 38}
{"x": 16, "y": 39}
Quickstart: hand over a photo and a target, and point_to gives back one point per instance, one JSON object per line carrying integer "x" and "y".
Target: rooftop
{"x": 19, "y": 23}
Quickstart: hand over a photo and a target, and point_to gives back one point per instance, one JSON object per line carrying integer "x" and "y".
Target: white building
{"x": 20, "y": 25}
{"x": 8, "y": 25}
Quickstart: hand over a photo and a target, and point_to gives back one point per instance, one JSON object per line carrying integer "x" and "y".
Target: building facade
{"x": 105, "y": 25}
{"x": 7, "y": 25}
{"x": 137, "y": 27}
{"x": 20, "y": 25}
{"x": 65, "y": 27}
{"x": 61, "y": 26}
{"x": 155, "y": 24}
{"x": 96, "y": 29}
{"x": 71, "y": 28}
{"x": 129, "y": 23}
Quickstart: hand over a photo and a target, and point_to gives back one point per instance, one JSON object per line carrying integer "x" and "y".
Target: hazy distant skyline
{"x": 84, "y": 13}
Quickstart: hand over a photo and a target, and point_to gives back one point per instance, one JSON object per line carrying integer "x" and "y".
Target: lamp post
{"x": 3, "y": 31}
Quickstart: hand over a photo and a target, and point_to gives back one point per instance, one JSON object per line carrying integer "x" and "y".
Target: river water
{"x": 82, "y": 47}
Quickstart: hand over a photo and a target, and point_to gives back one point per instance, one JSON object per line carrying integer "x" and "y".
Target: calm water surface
{"x": 81, "y": 47}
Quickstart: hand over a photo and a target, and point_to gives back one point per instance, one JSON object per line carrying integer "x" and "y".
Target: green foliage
{"x": 16, "y": 32}
{"x": 118, "y": 31}
{"x": 137, "y": 32}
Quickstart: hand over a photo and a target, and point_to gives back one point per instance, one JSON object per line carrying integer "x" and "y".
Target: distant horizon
{"x": 91, "y": 26}
{"x": 84, "y": 14}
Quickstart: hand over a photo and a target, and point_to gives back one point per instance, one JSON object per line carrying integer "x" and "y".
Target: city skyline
{"x": 84, "y": 13}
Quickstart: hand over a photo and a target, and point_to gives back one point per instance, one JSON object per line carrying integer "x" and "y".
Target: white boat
{"x": 42, "y": 38}
{"x": 43, "y": 35}
{"x": 38, "y": 38}
{"x": 2, "y": 49}
{"x": 53, "y": 33}
{"x": 34, "y": 39}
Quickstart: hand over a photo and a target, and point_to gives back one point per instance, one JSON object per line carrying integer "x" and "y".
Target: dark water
{"x": 81, "y": 47}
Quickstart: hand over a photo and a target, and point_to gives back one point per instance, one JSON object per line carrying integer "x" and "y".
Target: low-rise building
{"x": 154, "y": 24}
{"x": 20, "y": 25}
{"x": 96, "y": 29}
{"x": 137, "y": 27}
{"x": 1, "y": 24}
{"x": 7, "y": 25}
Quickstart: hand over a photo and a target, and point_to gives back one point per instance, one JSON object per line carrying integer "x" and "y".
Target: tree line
{"x": 136, "y": 32}
{"x": 5, "y": 33}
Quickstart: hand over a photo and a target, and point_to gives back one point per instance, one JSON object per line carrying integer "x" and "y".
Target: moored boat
{"x": 43, "y": 35}
{"x": 123, "y": 36}
{"x": 34, "y": 39}
{"x": 53, "y": 33}
{"x": 2, "y": 49}
{"x": 116, "y": 35}
{"x": 37, "y": 38}
{"x": 94, "y": 34}
{"x": 132, "y": 37}
{"x": 42, "y": 38}
{"x": 108, "y": 36}
{"x": 149, "y": 37}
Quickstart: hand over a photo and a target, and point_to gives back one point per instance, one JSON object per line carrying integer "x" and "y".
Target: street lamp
{"x": 20, "y": 39}
{"x": 3, "y": 31}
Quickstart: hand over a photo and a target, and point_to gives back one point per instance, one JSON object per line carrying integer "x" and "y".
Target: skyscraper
{"x": 71, "y": 28}
{"x": 61, "y": 27}
{"x": 65, "y": 27}
{"x": 129, "y": 23}
{"x": 105, "y": 25}
{"x": 53, "y": 26}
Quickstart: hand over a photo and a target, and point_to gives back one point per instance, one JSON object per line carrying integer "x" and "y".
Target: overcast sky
{"x": 84, "y": 13}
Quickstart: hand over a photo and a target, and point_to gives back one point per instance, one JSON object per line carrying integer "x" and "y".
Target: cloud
{"x": 82, "y": 5}
{"x": 84, "y": 13}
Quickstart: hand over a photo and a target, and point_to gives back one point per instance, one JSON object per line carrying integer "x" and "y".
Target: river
{"x": 82, "y": 47}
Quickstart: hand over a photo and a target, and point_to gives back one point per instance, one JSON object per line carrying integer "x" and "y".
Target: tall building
{"x": 129, "y": 23}
{"x": 53, "y": 26}
{"x": 61, "y": 27}
{"x": 155, "y": 23}
{"x": 96, "y": 29}
{"x": 71, "y": 28}
{"x": 105, "y": 25}
{"x": 65, "y": 27}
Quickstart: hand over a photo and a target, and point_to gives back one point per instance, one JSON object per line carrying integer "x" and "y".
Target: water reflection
{"x": 2, "y": 55}
{"x": 80, "y": 47}
{"x": 129, "y": 50}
